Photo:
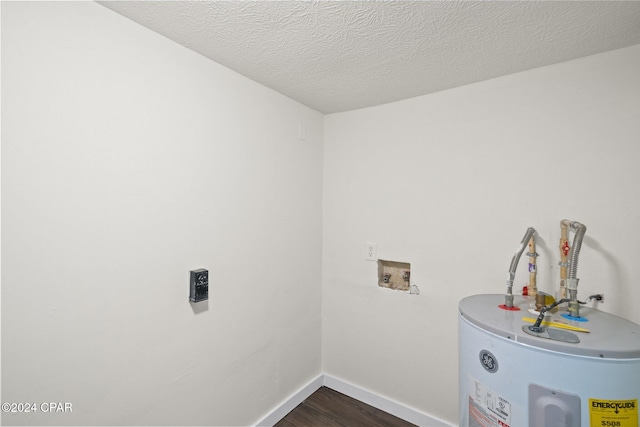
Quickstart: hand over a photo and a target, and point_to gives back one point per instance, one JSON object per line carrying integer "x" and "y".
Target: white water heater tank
{"x": 510, "y": 378}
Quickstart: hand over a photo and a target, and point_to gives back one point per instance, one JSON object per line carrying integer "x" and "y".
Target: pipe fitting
{"x": 508, "y": 300}
{"x": 574, "y": 309}
{"x": 572, "y": 284}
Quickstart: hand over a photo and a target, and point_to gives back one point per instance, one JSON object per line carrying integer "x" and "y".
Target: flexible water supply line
{"x": 572, "y": 280}
{"x": 508, "y": 298}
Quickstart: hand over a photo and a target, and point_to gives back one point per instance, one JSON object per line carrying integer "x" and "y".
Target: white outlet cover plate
{"x": 372, "y": 251}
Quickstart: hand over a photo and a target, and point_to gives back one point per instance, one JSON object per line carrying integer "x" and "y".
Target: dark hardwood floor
{"x": 329, "y": 408}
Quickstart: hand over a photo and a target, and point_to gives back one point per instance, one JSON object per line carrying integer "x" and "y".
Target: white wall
{"x": 450, "y": 182}
{"x": 128, "y": 160}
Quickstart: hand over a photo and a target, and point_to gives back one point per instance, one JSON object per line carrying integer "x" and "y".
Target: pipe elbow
{"x": 574, "y": 225}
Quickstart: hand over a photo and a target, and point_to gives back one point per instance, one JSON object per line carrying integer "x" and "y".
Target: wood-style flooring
{"x": 329, "y": 408}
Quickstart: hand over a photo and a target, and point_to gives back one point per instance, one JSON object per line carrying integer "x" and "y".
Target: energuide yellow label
{"x": 613, "y": 413}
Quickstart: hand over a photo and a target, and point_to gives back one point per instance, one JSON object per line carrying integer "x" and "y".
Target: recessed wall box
{"x": 394, "y": 275}
{"x": 199, "y": 285}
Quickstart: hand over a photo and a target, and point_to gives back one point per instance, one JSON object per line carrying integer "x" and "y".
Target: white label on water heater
{"x": 486, "y": 408}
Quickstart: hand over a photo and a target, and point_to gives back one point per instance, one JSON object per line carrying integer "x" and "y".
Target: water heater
{"x": 582, "y": 373}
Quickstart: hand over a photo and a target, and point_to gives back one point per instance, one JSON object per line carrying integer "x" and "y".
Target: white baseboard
{"x": 291, "y": 402}
{"x": 370, "y": 398}
{"x": 384, "y": 404}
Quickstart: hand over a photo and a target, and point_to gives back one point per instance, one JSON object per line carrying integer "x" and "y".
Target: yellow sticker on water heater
{"x": 613, "y": 413}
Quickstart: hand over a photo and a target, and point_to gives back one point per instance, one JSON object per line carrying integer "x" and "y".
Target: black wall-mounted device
{"x": 199, "y": 285}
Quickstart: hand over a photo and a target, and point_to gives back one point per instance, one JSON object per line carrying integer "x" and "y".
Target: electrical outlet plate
{"x": 198, "y": 285}
{"x": 372, "y": 251}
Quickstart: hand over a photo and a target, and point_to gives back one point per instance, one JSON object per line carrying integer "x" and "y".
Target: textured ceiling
{"x": 341, "y": 55}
